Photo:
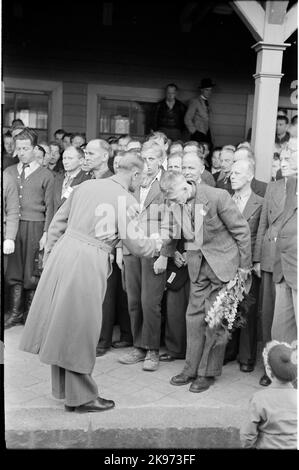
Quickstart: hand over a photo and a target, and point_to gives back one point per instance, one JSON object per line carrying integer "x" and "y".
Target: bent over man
{"x": 217, "y": 249}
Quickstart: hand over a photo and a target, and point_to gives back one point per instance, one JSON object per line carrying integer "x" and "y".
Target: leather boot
{"x": 16, "y": 306}
{"x": 29, "y": 294}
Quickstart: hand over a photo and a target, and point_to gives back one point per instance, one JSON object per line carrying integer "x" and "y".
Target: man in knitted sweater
{"x": 10, "y": 204}
{"x": 35, "y": 192}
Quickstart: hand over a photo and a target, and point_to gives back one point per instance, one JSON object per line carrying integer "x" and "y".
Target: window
{"x": 117, "y": 117}
{"x": 32, "y": 108}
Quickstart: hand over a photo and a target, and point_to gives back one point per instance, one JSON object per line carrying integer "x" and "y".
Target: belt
{"x": 89, "y": 240}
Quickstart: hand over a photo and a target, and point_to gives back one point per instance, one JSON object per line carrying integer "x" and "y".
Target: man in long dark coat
{"x": 64, "y": 321}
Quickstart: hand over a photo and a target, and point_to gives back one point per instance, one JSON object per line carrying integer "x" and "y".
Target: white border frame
{"x": 95, "y": 91}
{"x": 56, "y": 102}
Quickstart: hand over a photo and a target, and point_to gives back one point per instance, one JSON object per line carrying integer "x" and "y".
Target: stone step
{"x": 127, "y": 428}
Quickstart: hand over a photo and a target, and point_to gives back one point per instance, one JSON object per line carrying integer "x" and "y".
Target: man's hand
{"x": 119, "y": 258}
{"x": 42, "y": 242}
{"x": 244, "y": 273}
{"x": 179, "y": 259}
{"x": 257, "y": 269}
{"x": 160, "y": 264}
{"x": 158, "y": 240}
{"x": 8, "y": 247}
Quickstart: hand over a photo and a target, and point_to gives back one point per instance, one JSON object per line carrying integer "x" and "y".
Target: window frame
{"x": 114, "y": 92}
{"x": 53, "y": 88}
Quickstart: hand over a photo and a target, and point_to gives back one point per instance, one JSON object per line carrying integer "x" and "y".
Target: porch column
{"x": 267, "y": 82}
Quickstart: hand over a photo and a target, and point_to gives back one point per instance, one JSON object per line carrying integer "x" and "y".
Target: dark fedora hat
{"x": 206, "y": 83}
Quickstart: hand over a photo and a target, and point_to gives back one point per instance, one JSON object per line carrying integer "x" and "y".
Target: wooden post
{"x": 266, "y": 96}
{"x": 270, "y": 25}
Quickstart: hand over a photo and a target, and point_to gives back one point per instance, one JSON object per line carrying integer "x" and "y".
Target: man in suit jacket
{"x": 284, "y": 327}
{"x": 244, "y": 340}
{"x": 72, "y": 159}
{"x": 145, "y": 279}
{"x": 197, "y": 117}
{"x": 218, "y": 248}
{"x": 263, "y": 256}
{"x": 257, "y": 186}
{"x": 226, "y": 158}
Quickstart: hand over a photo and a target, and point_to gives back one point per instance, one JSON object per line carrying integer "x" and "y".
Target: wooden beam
{"x": 253, "y": 15}
{"x": 276, "y": 11}
{"x": 290, "y": 21}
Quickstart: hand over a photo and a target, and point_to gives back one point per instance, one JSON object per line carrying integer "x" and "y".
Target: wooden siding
{"x": 74, "y": 106}
{"x": 228, "y": 102}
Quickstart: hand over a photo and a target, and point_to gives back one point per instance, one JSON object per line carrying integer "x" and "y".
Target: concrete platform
{"x": 149, "y": 412}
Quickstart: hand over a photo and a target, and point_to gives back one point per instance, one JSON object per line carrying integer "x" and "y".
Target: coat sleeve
{"x": 237, "y": 226}
{"x": 189, "y": 117}
{"x": 10, "y": 207}
{"x": 49, "y": 199}
{"x": 170, "y": 232}
{"x": 208, "y": 178}
{"x": 249, "y": 431}
{"x": 132, "y": 235}
{"x": 263, "y": 226}
{"x": 58, "y": 225}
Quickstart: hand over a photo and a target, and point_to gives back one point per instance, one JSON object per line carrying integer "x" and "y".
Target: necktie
{"x": 22, "y": 175}
{"x": 237, "y": 200}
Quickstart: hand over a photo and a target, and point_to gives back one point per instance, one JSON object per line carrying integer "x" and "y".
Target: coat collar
{"x": 153, "y": 193}
{"x": 119, "y": 180}
{"x": 291, "y": 199}
{"x": 253, "y": 203}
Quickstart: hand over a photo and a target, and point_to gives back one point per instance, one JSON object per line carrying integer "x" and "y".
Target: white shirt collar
{"x": 244, "y": 196}
{"x": 31, "y": 166}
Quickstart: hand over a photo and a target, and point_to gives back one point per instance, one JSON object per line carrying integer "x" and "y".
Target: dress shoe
{"x": 246, "y": 368}
{"x": 181, "y": 379}
{"x": 99, "y": 404}
{"x": 151, "y": 361}
{"x": 265, "y": 381}
{"x": 201, "y": 384}
{"x": 101, "y": 351}
{"x": 121, "y": 344}
{"x": 167, "y": 358}
{"x": 132, "y": 357}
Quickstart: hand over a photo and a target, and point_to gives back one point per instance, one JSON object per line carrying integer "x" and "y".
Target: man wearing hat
{"x": 197, "y": 117}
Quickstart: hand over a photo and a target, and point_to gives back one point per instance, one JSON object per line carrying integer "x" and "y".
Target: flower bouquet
{"x": 224, "y": 316}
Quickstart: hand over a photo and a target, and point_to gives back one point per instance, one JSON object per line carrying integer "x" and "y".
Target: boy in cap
{"x": 272, "y": 420}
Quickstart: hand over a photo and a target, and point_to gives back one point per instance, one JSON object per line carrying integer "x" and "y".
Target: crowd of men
{"x": 248, "y": 225}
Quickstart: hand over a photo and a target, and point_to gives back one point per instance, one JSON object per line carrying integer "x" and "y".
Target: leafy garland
{"x": 224, "y": 316}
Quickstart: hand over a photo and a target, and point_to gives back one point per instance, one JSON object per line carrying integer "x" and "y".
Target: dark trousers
{"x": 203, "y": 358}
{"x": 201, "y": 137}
{"x": 115, "y": 309}
{"x": 21, "y": 263}
{"x": 175, "y": 325}
{"x": 243, "y": 343}
{"x": 145, "y": 291}
{"x": 77, "y": 389}
{"x": 267, "y": 305}
{"x": 173, "y": 134}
